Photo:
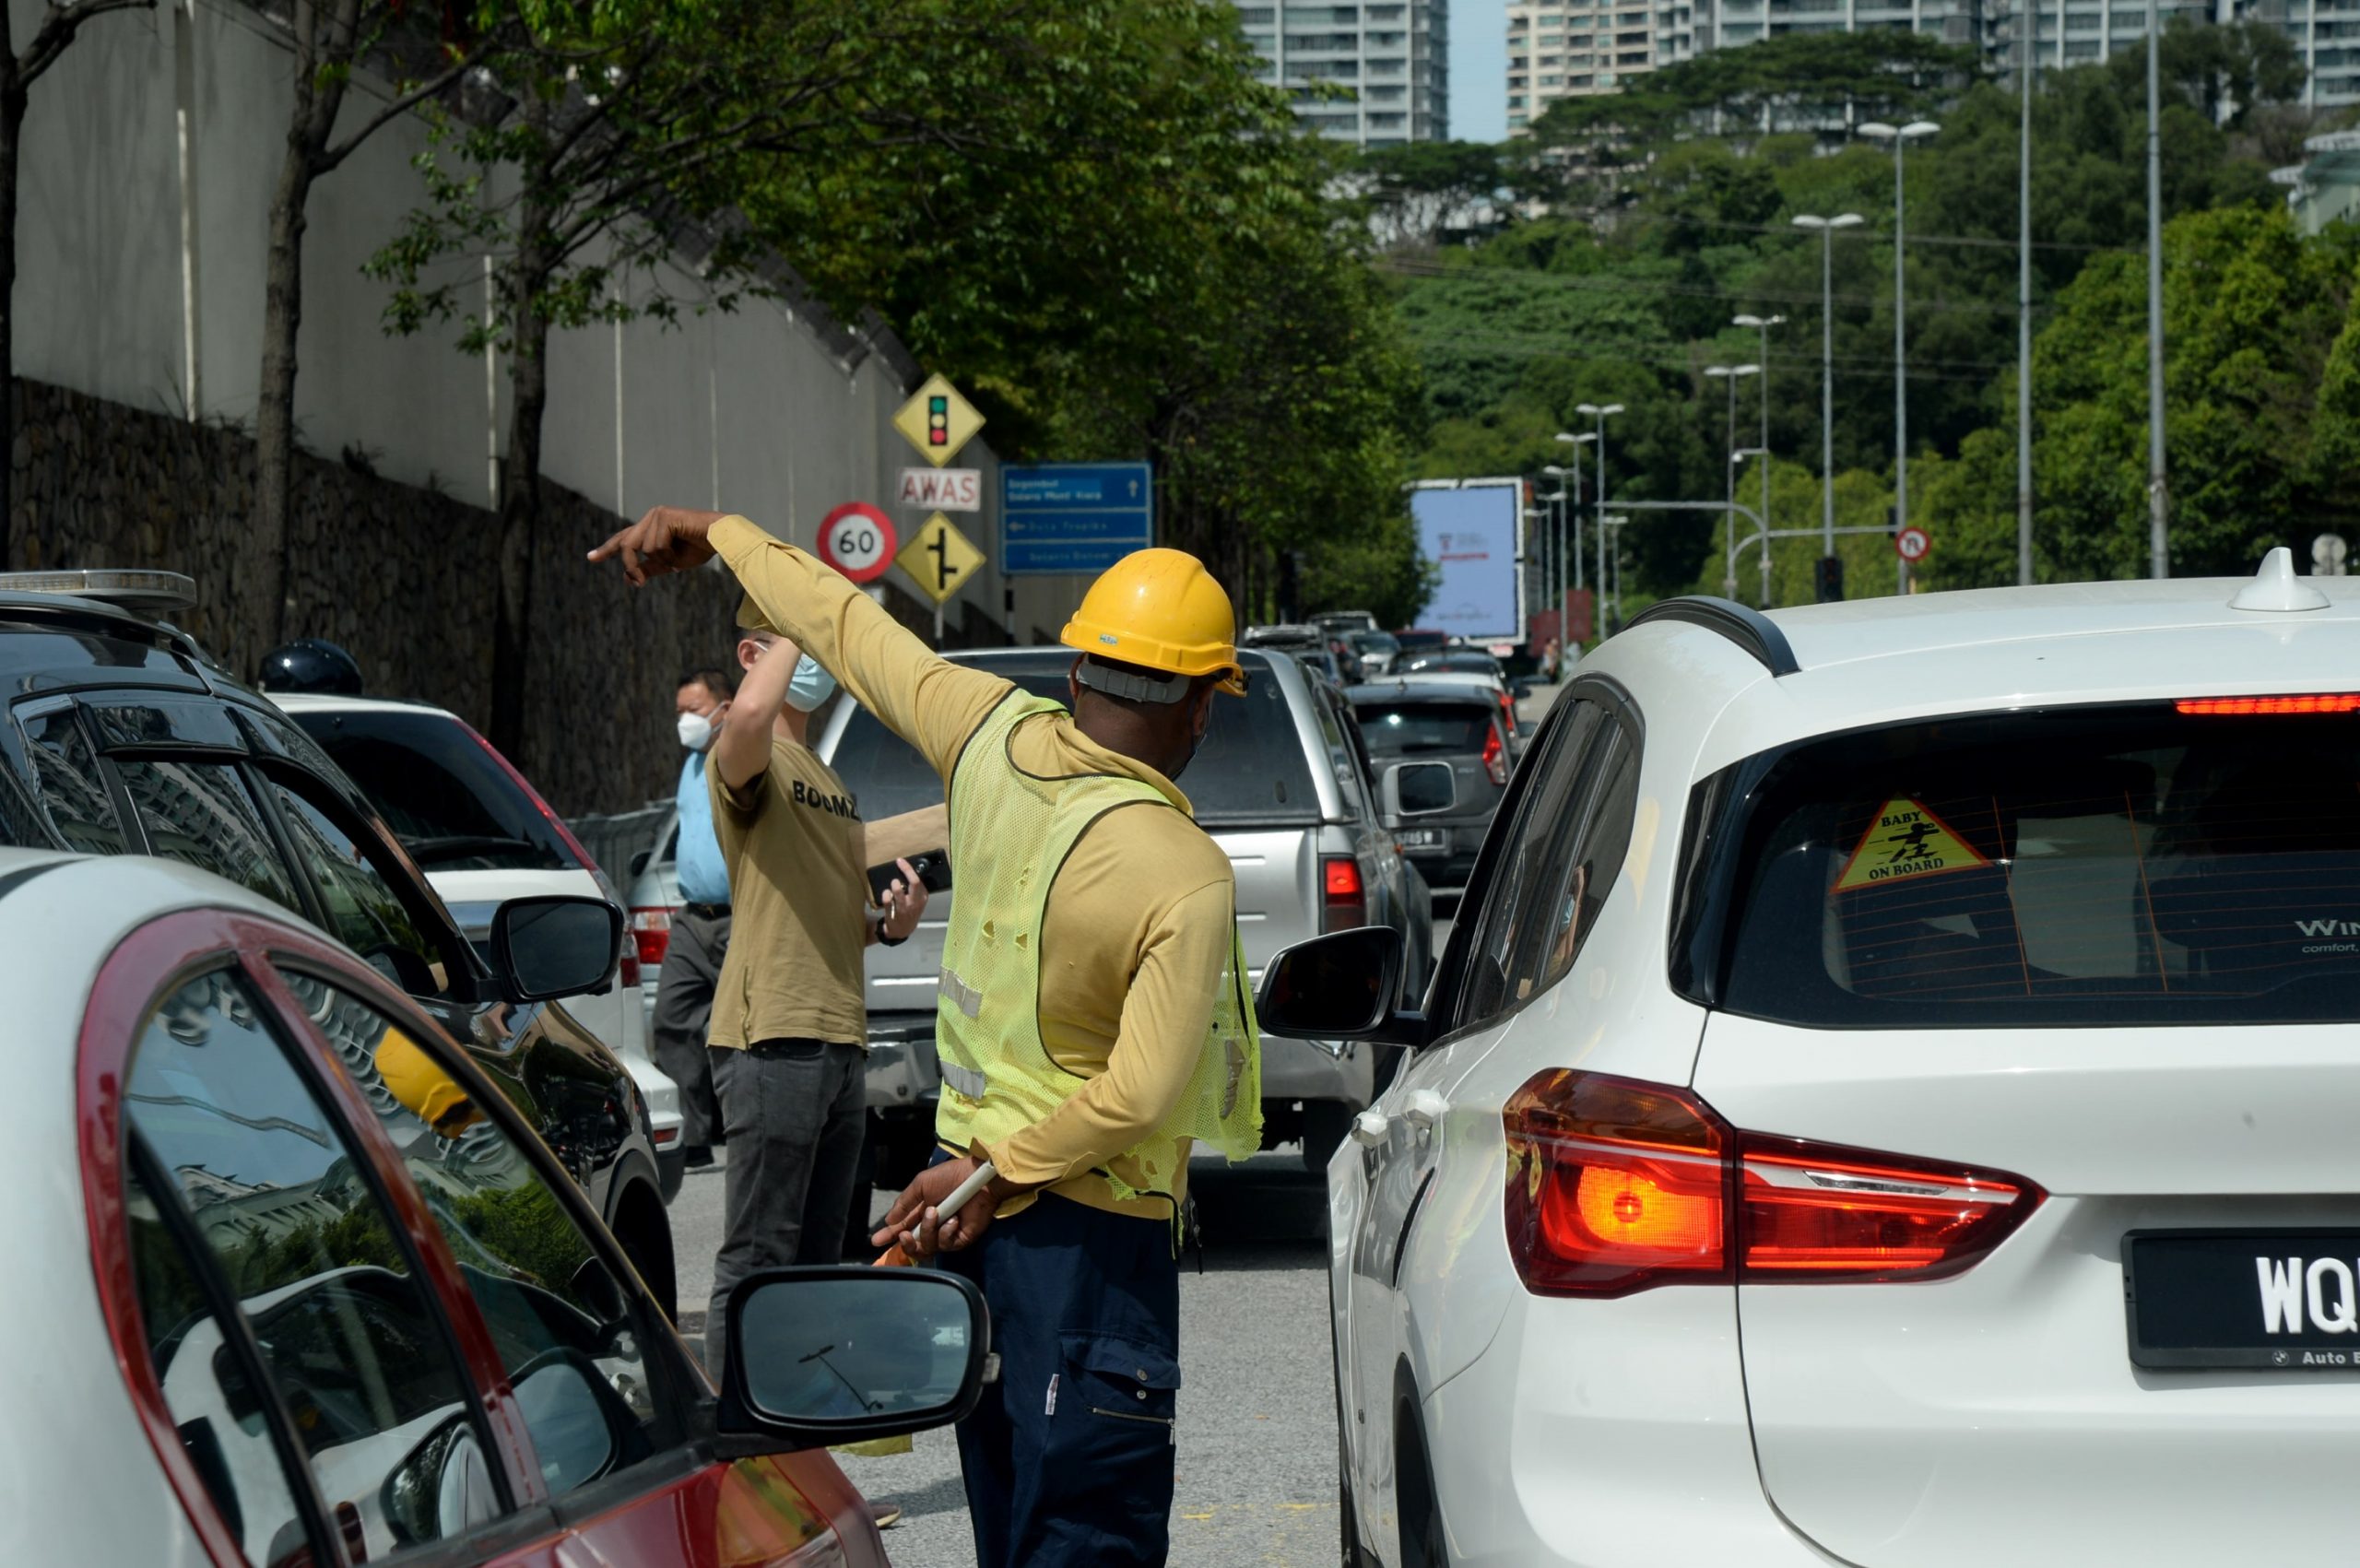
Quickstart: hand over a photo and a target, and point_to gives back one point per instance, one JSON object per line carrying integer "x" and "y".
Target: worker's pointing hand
{"x": 669, "y": 538}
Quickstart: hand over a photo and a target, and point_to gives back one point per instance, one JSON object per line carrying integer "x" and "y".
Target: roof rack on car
{"x": 1749, "y": 628}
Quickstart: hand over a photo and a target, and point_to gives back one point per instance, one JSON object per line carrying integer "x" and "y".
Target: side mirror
{"x": 639, "y": 864}
{"x": 552, "y": 944}
{"x": 570, "y": 1411}
{"x": 440, "y": 1490}
{"x": 1418, "y": 789}
{"x": 1339, "y": 986}
{"x": 845, "y": 1354}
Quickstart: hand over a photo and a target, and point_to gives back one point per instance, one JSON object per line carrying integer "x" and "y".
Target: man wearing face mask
{"x": 789, "y": 1035}
{"x": 1092, "y": 1023}
{"x": 700, "y": 935}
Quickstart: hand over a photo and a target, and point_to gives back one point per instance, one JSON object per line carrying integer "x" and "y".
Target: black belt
{"x": 707, "y": 911}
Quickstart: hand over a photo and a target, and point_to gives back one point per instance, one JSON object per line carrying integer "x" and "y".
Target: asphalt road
{"x": 1256, "y": 1478}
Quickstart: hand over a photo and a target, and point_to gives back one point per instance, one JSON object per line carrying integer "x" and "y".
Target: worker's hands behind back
{"x": 913, "y": 1224}
{"x": 668, "y": 538}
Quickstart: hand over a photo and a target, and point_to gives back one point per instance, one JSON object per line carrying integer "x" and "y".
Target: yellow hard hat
{"x": 433, "y": 1095}
{"x": 1160, "y": 609}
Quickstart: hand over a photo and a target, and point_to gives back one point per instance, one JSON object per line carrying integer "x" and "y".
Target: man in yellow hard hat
{"x": 1092, "y": 1018}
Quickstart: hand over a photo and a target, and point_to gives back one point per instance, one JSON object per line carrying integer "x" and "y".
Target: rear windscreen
{"x": 442, "y": 791}
{"x": 2089, "y": 867}
{"x": 1253, "y": 767}
{"x": 1406, "y": 729}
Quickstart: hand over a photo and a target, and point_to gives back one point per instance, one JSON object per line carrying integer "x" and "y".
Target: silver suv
{"x": 1283, "y": 783}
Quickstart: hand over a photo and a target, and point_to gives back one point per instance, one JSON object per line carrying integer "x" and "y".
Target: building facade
{"x": 1374, "y": 74}
{"x": 1564, "y": 48}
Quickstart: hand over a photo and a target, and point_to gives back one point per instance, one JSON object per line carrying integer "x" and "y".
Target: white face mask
{"x": 696, "y": 731}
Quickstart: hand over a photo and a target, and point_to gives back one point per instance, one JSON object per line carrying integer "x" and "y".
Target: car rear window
{"x": 2087, "y": 868}
{"x": 1252, "y": 768}
{"x": 1405, "y": 729}
{"x": 442, "y": 791}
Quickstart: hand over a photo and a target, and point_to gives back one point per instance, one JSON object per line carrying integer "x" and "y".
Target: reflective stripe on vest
{"x": 1009, "y": 834}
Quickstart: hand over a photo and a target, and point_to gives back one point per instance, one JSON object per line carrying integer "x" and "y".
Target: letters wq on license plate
{"x": 2283, "y": 1300}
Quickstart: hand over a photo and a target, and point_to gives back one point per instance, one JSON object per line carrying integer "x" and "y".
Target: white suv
{"x": 1887, "y": 1100}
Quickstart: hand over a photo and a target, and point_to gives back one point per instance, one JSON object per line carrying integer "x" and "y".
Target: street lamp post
{"x": 1615, "y": 523}
{"x": 1764, "y": 325}
{"x": 1599, "y": 412}
{"x": 1576, "y": 442}
{"x": 1827, "y": 227}
{"x": 1560, "y": 501}
{"x": 1900, "y": 136}
{"x": 1732, "y": 374}
{"x": 1760, "y": 523}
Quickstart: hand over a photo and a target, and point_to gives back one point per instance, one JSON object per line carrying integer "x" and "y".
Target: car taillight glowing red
{"x": 1616, "y": 1186}
{"x": 1495, "y": 757}
{"x": 2314, "y": 702}
{"x": 650, "y": 933}
{"x": 1344, "y": 899}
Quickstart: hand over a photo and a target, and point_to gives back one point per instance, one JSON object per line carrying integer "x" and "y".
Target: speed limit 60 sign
{"x": 857, "y": 540}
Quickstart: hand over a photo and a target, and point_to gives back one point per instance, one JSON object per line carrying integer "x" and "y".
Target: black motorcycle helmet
{"x": 311, "y": 665}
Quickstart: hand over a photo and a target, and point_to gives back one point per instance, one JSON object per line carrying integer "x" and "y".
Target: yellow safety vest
{"x": 1009, "y": 833}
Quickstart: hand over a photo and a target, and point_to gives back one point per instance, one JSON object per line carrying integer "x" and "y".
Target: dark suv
{"x": 123, "y": 737}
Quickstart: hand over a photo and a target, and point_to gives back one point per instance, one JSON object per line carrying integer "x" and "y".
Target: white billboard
{"x": 1473, "y": 529}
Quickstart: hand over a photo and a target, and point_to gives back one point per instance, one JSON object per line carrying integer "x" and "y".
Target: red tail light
{"x": 627, "y": 970}
{"x": 2324, "y": 703}
{"x": 1495, "y": 756}
{"x": 1344, "y": 904}
{"x": 650, "y": 933}
{"x": 1616, "y": 1186}
{"x": 1507, "y": 713}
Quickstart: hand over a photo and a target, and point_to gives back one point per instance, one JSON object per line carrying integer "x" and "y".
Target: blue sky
{"x": 1478, "y": 70}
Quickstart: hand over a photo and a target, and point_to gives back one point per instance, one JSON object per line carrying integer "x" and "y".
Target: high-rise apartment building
{"x": 1566, "y": 48}
{"x": 1393, "y": 55}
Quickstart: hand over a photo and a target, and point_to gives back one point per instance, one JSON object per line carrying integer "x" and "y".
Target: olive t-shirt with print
{"x": 798, "y": 897}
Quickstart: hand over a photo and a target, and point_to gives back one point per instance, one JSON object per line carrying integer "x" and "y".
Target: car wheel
{"x": 1325, "y": 1123}
{"x": 1420, "y": 1515}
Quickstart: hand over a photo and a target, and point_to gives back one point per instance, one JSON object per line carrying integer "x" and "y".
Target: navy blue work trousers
{"x": 1068, "y": 1459}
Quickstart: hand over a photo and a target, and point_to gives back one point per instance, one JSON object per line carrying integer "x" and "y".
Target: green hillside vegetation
{"x": 1657, "y": 231}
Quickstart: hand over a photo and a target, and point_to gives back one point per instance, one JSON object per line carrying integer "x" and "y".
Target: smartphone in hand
{"x": 933, "y": 867}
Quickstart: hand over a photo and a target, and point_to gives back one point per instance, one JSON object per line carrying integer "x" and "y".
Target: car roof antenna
{"x": 2275, "y": 588}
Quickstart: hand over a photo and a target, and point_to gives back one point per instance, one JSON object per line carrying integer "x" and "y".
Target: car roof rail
{"x": 1749, "y": 628}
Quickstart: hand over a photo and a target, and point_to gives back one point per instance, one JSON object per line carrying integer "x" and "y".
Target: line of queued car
{"x": 350, "y": 1239}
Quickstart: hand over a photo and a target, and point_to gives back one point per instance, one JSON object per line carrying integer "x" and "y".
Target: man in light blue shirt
{"x": 700, "y": 924}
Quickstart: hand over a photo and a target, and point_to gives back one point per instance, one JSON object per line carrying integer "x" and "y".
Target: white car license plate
{"x": 1419, "y": 838}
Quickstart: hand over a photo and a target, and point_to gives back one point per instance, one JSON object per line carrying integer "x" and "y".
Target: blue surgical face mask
{"x": 809, "y": 685}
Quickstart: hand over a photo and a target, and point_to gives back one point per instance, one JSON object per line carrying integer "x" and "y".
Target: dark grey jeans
{"x": 683, "y": 1008}
{"x": 794, "y": 1111}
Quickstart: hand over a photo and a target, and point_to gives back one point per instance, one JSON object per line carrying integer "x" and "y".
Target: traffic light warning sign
{"x": 937, "y": 421}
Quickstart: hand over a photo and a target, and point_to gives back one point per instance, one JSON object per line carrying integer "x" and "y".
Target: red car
{"x": 321, "y": 1297}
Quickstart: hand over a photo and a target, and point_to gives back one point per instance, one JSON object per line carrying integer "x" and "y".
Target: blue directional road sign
{"x": 1073, "y": 516}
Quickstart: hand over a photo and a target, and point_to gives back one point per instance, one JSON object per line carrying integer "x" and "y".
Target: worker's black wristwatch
{"x": 884, "y": 938}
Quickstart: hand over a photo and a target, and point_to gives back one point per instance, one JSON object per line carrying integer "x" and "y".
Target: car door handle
{"x": 1424, "y": 1109}
{"x": 1369, "y": 1129}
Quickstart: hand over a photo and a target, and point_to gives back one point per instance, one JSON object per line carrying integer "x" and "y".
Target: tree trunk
{"x": 272, "y": 541}
{"x": 12, "y": 125}
{"x": 520, "y": 505}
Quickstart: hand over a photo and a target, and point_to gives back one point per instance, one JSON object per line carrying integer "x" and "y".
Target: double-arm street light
{"x": 1731, "y": 374}
{"x": 1599, "y": 412}
{"x": 1763, "y": 324}
{"x": 1827, "y": 227}
{"x": 1560, "y": 503}
{"x": 1900, "y": 136}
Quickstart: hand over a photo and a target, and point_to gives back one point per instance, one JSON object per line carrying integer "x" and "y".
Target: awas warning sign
{"x": 1907, "y": 841}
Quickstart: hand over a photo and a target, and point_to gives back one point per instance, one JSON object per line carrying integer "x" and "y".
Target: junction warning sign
{"x": 1906, "y": 841}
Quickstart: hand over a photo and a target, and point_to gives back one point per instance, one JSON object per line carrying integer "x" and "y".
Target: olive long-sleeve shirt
{"x": 1138, "y": 928}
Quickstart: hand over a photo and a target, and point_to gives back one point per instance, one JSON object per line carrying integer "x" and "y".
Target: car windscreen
{"x": 1252, "y": 768}
{"x": 1480, "y": 663}
{"x": 2093, "y": 866}
{"x": 1372, "y": 642}
{"x": 1407, "y": 729}
{"x": 442, "y": 791}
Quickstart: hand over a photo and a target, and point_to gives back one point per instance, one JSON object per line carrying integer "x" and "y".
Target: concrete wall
{"x": 151, "y": 153}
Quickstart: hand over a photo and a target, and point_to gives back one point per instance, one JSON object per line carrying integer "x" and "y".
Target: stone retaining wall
{"x": 402, "y": 577}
